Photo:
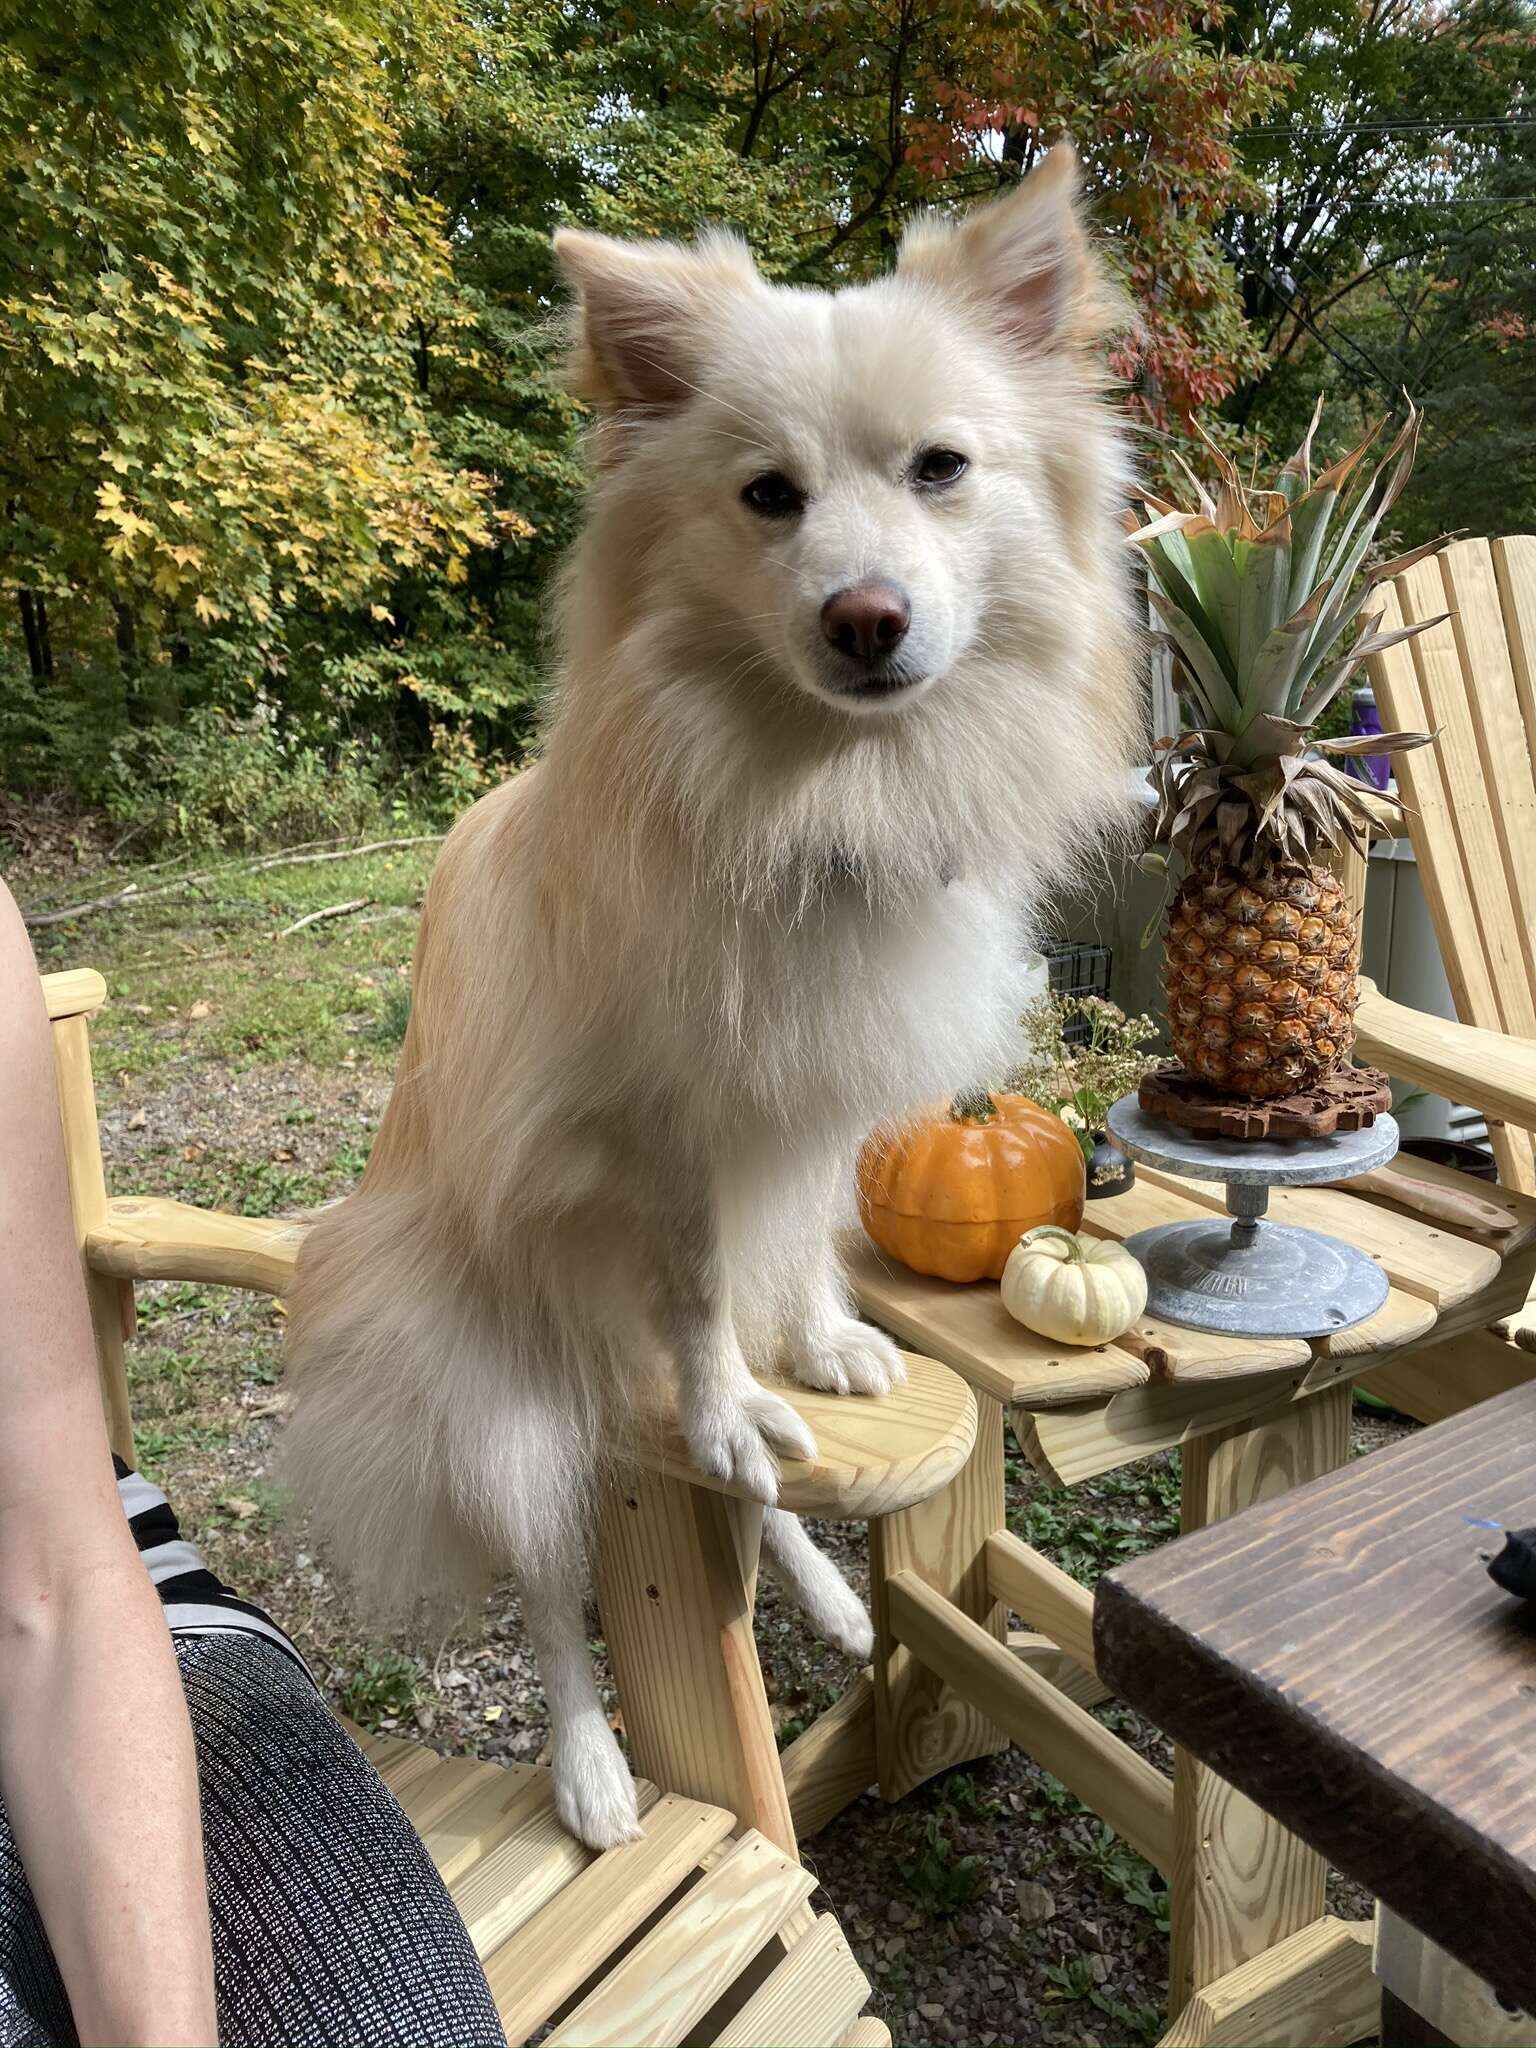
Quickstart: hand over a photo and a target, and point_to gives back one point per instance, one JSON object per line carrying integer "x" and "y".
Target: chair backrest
{"x": 1472, "y": 796}
{"x": 73, "y": 999}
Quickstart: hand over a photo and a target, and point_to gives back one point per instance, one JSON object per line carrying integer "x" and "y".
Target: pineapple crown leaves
{"x": 1283, "y": 806}
{"x": 1256, "y": 590}
{"x": 1262, "y": 598}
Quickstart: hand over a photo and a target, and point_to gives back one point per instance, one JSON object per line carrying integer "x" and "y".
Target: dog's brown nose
{"x": 866, "y": 620}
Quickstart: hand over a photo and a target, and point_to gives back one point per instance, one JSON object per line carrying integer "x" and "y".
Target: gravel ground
{"x": 986, "y": 1907}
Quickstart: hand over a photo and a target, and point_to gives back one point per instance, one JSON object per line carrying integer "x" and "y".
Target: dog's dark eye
{"x": 939, "y": 466}
{"x": 773, "y": 495}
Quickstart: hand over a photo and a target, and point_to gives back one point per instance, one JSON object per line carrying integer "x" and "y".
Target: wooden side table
{"x": 1341, "y": 1655}
{"x": 1254, "y": 1956}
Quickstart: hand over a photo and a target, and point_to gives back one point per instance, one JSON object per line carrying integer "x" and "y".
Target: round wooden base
{"x": 1349, "y": 1100}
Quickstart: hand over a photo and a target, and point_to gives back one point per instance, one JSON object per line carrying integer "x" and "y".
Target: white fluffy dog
{"x": 846, "y": 683}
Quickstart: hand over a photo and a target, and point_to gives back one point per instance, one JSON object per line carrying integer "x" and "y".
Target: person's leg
{"x": 331, "y": 1929}
{"x": 34, "y": 2011}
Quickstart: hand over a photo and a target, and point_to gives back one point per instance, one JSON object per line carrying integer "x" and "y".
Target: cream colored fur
{"x": 669, "y": 978}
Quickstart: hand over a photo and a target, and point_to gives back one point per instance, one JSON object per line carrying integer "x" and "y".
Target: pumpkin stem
{"x": 973, "y": 1106}
{"x": 1074, "y": 1249}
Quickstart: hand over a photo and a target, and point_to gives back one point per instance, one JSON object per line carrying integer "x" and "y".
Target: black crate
{"x": 1076, "y": 970}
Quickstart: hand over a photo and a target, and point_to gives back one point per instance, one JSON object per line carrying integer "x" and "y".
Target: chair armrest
{"x": 76, "y": 992}
{"x": 872, "y": 1457}
{"x": 1484, "y": 1069}
{"x": 144, "y": 1238}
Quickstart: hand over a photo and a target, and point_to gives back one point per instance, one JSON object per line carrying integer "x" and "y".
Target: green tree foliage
{"x": 815, "y": 131}
{"x": 1395, "y": 249}
{"x": 284, "y": 455}
{"x": 215, "y": 465}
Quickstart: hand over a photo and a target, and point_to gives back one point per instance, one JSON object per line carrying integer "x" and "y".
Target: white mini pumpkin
{"x": 1073, "y": 1289}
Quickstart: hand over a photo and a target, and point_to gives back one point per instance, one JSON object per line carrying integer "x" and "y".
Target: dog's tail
{"x": 816, "y": 1585}
{"x": 423, "y": 1471}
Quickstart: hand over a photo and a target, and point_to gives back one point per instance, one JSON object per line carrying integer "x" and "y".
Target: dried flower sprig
{"x": 1080, "y": 1081}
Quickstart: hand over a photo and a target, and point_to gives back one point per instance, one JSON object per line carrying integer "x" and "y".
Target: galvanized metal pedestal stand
{"x": 1248, "y": 1277}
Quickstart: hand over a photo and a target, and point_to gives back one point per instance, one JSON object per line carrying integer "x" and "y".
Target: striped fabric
{"x": 195, "y": 1602}
{"x": 331, "y": 1929}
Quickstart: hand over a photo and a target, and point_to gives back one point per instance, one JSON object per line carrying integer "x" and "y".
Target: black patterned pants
{"x": 331, "y": 1929}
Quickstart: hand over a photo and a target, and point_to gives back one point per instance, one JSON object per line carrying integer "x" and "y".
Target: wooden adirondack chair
{"x": 1472, "y": 821}
{"x": 700, "y": 1931}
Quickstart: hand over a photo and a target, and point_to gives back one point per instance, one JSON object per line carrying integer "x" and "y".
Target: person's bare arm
{"x": 97, "y": 1768}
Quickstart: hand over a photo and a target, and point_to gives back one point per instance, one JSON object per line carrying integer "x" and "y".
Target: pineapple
{"x": 1260, "y": 613}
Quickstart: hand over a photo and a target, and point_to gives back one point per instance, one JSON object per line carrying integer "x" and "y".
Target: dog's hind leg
{"x": 816, "y": 1585}
{"x": 533, "y": 1479}
{"x": 594, "y": 1792}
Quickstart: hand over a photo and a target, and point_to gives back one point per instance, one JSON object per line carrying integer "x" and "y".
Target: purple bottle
{"x": 1365, "y": 719}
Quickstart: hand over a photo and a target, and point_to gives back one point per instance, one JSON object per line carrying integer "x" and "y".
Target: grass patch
{"x": 939, "y": 1880}
{"x": 206, "y": 971}
{"x": 382, "y": 1688}
{"x": 1089, "y": 1528}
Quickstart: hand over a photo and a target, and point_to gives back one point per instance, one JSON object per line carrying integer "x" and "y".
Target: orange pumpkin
{"x": 953, "y": 1193}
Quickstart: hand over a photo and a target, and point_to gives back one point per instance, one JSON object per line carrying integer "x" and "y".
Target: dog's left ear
{"x": 646, "y": 311}
{"x": 1025, "y": 258}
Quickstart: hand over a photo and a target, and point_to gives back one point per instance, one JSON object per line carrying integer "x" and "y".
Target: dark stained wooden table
{"x": 1340, "y": 1654}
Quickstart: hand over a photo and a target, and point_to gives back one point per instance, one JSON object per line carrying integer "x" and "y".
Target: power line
{"x": 1266, "y": 277}
{"x": 1428, "y": 124}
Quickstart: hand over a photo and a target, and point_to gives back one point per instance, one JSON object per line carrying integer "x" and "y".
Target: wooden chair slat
{"x": 1404, "y": 707}
{"x": 523, "y": 1872}
{"x": 814, "y": 1995}
{"x": 493, "y": 1810}
{"x": 669, "y": 1980}
{"x": 454, "y": 1780}
{"x": 407, "y": 1769}
{"x": 1514, "y": 568}
{"x": 1424, "y": 685}
{"x": 1508, "y": 792}
{"x": 534, "y": 1971}
{"x": 1437, "y": 657}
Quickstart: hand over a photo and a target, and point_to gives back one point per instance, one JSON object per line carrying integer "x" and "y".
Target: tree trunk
{"x": 126, "y": 635}
{"x": 36, "y": 652}
{"x": 34, "y": 626}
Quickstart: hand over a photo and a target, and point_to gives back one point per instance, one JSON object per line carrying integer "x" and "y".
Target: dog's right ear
{"x": 1023, "y": 261}
{"x": 645, "y": 313}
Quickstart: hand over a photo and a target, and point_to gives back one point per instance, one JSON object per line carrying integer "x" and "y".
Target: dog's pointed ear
{"x": 645, "y": 312}
{"x": 1025, "y": 258}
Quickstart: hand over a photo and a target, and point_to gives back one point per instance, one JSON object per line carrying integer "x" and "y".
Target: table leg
{"x": 676, "y": 1585}
{"x": 921, "y": 1725}
{"x": 1242, "y": 1883}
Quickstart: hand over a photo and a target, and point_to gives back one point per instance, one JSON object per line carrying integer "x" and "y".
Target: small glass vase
{"x": 1109, "y": 1171}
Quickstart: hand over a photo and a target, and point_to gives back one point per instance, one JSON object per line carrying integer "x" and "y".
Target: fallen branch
{"x": 36, "y": 919}
{"x": 299, "y": 860}
{"x": 320, "y": 916}
{"x": 133, "y": 893}
{"x": 384, "y": 916}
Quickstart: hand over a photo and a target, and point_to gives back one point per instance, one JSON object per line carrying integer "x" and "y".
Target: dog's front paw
{"x": 848, "y": 1357}
{"x": 729, "y": 1437}
{"x": 594, "y": 1793}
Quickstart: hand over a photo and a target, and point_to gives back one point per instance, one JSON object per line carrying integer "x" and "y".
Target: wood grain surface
{"x": 1340, "y": 1655}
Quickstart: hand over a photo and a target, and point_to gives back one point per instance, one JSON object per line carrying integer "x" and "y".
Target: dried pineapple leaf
{"x": 1358, "y": 743}
{"x": 1296, "y": 475}
{"x": 1399, "y": 563}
